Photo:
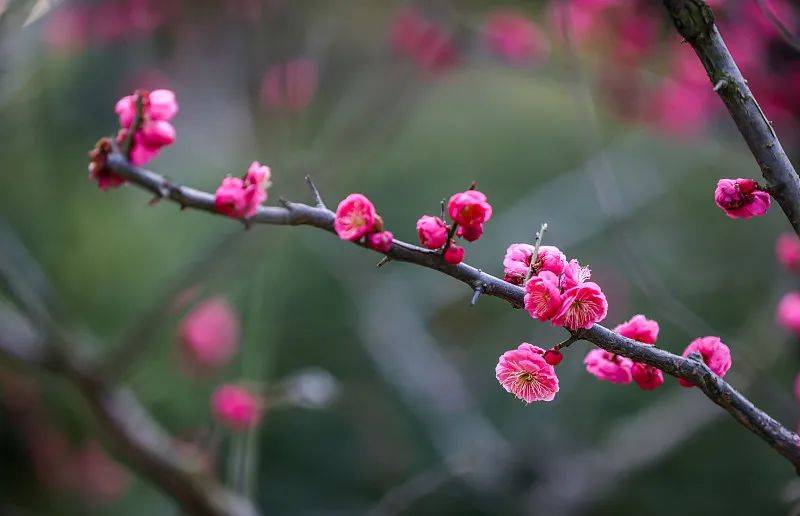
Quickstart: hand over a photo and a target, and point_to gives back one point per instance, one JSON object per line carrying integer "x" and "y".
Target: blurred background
{"x": 589, "y": 115}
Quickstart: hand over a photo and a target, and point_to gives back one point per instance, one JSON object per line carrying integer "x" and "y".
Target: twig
{"x": 535, "y": 254}
{"x": 695, "y": 22}
{"x": 315, "y": 193}
{"x": 784, "y": 441}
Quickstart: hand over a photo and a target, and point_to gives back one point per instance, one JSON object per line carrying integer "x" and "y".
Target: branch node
{"x": 477, "y": 290}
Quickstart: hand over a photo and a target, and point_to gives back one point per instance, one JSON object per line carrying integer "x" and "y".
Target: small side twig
{"x": 535, "y": 255}
{"x": 318, "y": 202}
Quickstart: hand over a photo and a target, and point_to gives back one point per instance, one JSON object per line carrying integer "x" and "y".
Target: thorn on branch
{"x": 318, "y": 202}
{"x": 535, "y": 255}
{"x": 384, "y": 261}
{"x": 286, "y": 204}
{"x": 720, "y": 84}
{"x": 477, "y": 291}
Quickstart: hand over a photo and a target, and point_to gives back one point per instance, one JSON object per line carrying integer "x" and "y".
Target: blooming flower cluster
{"x": 154, "y": 130}
{"x": 741, "y": 198}
{"x": 616, "y": 369}
{"x": 240, "y": 197}
{"x": 468, "y": 210}
{"x": 715, "y": 354}
{"x": 557, "y": 290}
{"x": 357, "y": 219}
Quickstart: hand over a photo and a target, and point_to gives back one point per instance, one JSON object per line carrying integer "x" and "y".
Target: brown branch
{"x": 695, "y": 22}
{"x": 784, "y": 441}
{"x": 141, "y": 442}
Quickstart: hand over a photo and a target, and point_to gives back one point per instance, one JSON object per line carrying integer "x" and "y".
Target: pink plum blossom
{"x": 788, "y": 313}
{"x": 639, "y": 328}
{"x": 355, "y": 217}
{"x": 241, "y": 198}
{"x": 608, "y": 367}
{"x": 236, "y": 407}
{"x": 432, "y": 232}
{"x": 741, "y": 198}
{"x": 574, "y": 274}
{"x": 524, "y": 373}
{"x": 542, "y": 296}
{"x": 380, "y": 241}
{"x": 716, "y": 355}
{"x": 646, "y": 377}
{"x": 514, "y": 37}
{"x": 209, "y": 334}
{"x": 469, "y": 208}
{"x": 290, "y": 85}
{"x": 454, "y": 254}
{"x": 581, "y": 307}
{"x": 518, "y": 259}
{"x": 787, "y": 249}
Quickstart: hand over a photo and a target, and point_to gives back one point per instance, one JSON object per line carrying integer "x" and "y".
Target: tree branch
{"x": 142, "y": 443}
{"x": 785, "y": 442}
{"x": 695, "y": 22}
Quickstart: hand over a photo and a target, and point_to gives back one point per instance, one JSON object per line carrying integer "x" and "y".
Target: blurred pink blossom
{"x": 788, "y": 313}
{"x": 422, "y": 41}
{"x": 291, "y": 85}
{"x": 236, "y": 407}
{"x": 787, "y": 249}
{"x": 209, "y": 334}
{"x": 514, "y": 37}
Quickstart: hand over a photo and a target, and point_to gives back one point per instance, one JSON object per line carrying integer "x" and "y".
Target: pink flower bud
{"x": 787, "y": 249}
{"x": 355, "y": 217}
{"x": 469, "y": 208}
{"x": 209, "y": 334}
{"x": 542, "y": 296}
{"x": 526, "y": 374}
{"x": 741, "y": 199}
{"x": 581, "y": 307}
{"x": 229, "y": 199}
{"x": 715, "y": 354}
{"x": 381, "y": 241}
{"x": 432, "y": 232}
{"x": 236, "y": 407}
{"x": 553, "y": 357}
{"x": 454, "y": 254}
{"x": 646, "y": 377}
{"x": 639, "y": 328}
{"x": 608, "y": 367}
{"x": 470, "y": 233}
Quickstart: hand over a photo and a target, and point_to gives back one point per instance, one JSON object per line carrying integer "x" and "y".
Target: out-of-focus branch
{"x": 695, "y": 22}
{"x": 782, "y": 29}
{"x": 693, "y": 369}
{"x": 141, "y": 442}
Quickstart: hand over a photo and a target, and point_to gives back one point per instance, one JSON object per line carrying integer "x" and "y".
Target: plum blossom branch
{"x": 784, "y": 441}
{"x": 694, "y": 21}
